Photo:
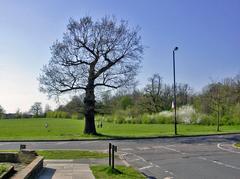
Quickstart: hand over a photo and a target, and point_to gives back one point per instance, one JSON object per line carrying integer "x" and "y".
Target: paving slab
{"x": 65, "y": 170}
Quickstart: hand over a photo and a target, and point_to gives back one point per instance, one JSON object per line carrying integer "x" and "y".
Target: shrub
{"x": 76, "y": 116}
{"x": 207, "y": 120}
{"x": 129, "y": 119}
{"x": 236, "y": 114}
{"x": 119, "y": 116}
{"x": 160, "y": 119}
{"x": 136, "y": 121}
{"x": 57, "y": 114}
{"x": 227, "y": 120}
{"x": 185, "y": 114}
{"x": 119, "y": 120}
{"x": 108, "y": 119}
{"x": 144, "y": 118}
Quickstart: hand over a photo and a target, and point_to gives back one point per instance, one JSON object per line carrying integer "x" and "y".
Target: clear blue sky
{"x": 207, "y": 33}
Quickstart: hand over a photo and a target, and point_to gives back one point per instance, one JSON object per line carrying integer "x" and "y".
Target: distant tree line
{"x": 219, "y": 102}
{"x": 155, "y": 97}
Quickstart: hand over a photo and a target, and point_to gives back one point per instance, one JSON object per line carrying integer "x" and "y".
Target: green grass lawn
{"x": 237, "y": 145}
{"x": 66, "y": 154}
{"x": 70, "y": 154}
{"x": 67, "y": 129}
{"x": 121, "y": 172}
{"x": 3, "y": 168}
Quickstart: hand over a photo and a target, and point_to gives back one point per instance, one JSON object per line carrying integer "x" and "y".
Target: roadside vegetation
{"x": 3, "y": 168}
{"x": 237, "y": 145}
{"x": 120, "y": 172}
{"x": 70, "y": 154}
{"x": 66, "y": 154}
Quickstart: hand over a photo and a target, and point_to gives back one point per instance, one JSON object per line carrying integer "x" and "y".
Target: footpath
{"x": 71, "y": 169}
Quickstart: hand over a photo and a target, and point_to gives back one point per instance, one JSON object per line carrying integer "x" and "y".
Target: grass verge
{"x": 237, "y": 145}
{"x": 3, "y": 168}
{"x": 70, "y": 154}
{"x": 120, "y": 172}
{"x": 66, "y": 154}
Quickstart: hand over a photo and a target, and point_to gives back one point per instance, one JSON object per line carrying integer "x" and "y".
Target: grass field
{"x": 121, "y": 172}
{"x": 3, "y": 168}
{"x": 67, "y": 129}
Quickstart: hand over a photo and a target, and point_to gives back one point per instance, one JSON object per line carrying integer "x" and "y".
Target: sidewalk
{"x": 72, "y": 169}
{"x": 65, "y": 169}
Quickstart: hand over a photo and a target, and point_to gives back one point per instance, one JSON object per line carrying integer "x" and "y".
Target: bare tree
{"x": 2, "y": 111}
{"x": 103, "y": 53}
{"x": 154, "y": 91}
{"x": 214, "y": 99}
{"x": 183, "y": 94}
{"x": 36, "y": 109}
{"x": 47, "y": 108}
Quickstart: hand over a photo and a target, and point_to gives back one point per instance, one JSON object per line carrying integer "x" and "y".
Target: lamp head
{"x": 175, "y": 49}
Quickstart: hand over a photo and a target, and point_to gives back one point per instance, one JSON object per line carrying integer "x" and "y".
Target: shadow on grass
{"x": 105, "y": 136}
{"x": 113, "y": 171}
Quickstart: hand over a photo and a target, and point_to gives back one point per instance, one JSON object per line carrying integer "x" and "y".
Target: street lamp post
{"x": 174, "y": 91}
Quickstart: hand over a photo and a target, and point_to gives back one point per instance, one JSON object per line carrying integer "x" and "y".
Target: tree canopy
{"x": 102, "y": 53}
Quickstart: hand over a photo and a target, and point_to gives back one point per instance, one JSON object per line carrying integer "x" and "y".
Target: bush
{"x": 144, "y": 118}
{"x": 226, "y": 120}
{"x": 236, "y": 114}
{"x": 129, "y": 120}
{"x": 164, "y": 119}
{"x": 57, "y": 114}
{"x": 185, "y": 114}
{"x": 77, "y": 116}
{"x": 158, "y": 118}
{"x": 207, "y": 120}
{"x": 119, "y": 116}
{"x": 119, "y": 120}
{"x": 136, "y": 121}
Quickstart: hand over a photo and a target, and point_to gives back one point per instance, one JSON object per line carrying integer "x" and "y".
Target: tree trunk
{"x": 89, "y": 102}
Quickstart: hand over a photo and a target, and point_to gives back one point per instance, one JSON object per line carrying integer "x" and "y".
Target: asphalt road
{"x": 182, "y": 158}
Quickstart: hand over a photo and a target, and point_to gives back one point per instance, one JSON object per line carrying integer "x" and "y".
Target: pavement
{"x": 55, "y": 169}
{"x": 72, "y": 169}
{"x": 165, "y": 158}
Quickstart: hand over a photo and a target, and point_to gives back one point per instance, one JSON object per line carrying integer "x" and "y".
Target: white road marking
{"x": 89, "y": 142}
{"x": 146, "y": 167}
{"x": 178, "y": 151}
{"x": 229, "y": 150}
{"x": 171, "y": 173}
{"x": 136, "y": 159}
{"x": 171, "y": 145}
{"x": 168, "y": 148}
{"x": 157, "y": 147}
{"x": 61, "y": 143}
{"x": 126, "y": 149}
{"x": 220, "y": 163}
{"x": 202, "y": 158}
{"x": 143, "y": 148}
{"x": 144, "y": 161}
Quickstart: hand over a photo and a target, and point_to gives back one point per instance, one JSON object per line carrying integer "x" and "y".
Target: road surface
{"x": 180, "y": 158}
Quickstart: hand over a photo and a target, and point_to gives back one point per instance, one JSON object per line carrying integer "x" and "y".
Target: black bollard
{"x": 113, "y": 156}
{"x": 109, "y": 153}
